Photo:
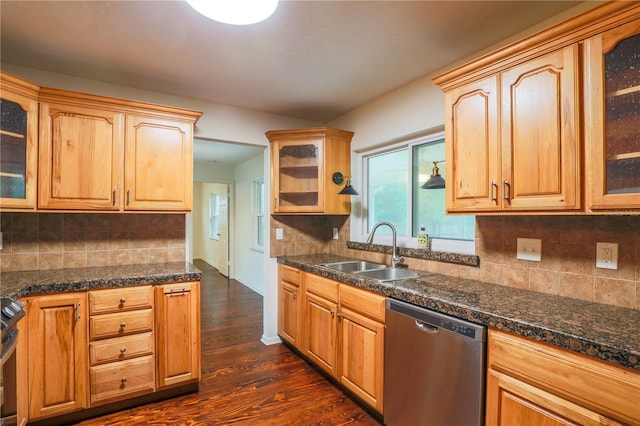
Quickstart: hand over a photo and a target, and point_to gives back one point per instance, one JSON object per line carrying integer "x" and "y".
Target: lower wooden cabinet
{"x": 57, "y": 354}
{"x": 530, "y": 383}
{"x": 289, "y": 303}
{"x": 341, "y": 330}
{"x": 122, "y": 349}
{"x": 178, "y": 333}
{"x": 88, "y": 349}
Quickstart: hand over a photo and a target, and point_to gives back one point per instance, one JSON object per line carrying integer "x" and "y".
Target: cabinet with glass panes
{"x": 18, "y": 143}
{"x": 305, "y": 164}
{"x": 612, "y": 104}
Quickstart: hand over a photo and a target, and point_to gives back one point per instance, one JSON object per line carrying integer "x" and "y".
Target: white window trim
{"x": 254, "y": 193}
{"x": 213, "y": 197}
{"x": 359, "y": 217}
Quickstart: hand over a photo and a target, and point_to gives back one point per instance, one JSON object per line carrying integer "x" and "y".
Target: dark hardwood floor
{"x": 243, "y": 381}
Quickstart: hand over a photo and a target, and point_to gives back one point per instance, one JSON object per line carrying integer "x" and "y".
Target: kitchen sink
{"x": 353, "y": 266}
{"x": 389, "y": 274}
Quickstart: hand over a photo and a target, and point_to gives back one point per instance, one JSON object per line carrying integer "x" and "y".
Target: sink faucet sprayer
{"x": 395, "y": 259}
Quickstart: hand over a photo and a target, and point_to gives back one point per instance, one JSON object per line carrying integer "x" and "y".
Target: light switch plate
{"x": 530, "y": 249}
{"x": 336, "y": 235}
{"x": 607, "y": 255}
{"x": 279, "y": 234}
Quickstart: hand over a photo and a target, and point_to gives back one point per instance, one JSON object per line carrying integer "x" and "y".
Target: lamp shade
{"x": 434, "y": 182}
{"x": 235, "y": 12}
{"x": 348, "y": 189}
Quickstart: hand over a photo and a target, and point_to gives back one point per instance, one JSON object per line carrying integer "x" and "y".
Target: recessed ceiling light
{"x": 235, "y": 12}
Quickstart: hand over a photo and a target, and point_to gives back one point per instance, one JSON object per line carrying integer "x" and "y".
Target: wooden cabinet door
{"x": 298, "y": 176}
{"x": 362, "y": 357}
{"x": 473, "y": 160}
{"x": 612, "y": 127}
{"x": 288, "y": 320}
{"x": 18, "y": 143}
{"x": 58, "y": 361}
{"x": 80, "y": 158}
{"x": 158, "y": 164}
{"x": 512, "y": 402}
{"x": 541, "y": 133}
{"x": 178, "y": 333}
{"x": 321, "y": 332}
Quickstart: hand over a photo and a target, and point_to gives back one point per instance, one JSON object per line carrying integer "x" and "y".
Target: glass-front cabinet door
{"x": 612, "y": 95}
{"x": 298, "y": 176}
{"x": 18, "y": 143}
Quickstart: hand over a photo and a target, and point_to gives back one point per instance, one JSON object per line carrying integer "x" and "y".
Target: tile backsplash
{"x": 568, "y": 253}
{"x": 38, "y": 241}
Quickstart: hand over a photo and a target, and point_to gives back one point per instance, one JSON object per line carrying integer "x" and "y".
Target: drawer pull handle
{"x": 123, "y": 325}
{"x": 123, "y": 350}
{"x": 123, "y": 380}
{"x": 122, "y": 300}
{"x": 181, "y": 290}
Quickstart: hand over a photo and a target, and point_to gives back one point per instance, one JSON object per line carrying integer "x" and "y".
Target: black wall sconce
{"x": 435, "y": 181}
{"x": 338, "y": 179}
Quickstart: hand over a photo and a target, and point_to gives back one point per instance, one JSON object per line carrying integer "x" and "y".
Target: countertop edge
{"x": 408, "y": 290}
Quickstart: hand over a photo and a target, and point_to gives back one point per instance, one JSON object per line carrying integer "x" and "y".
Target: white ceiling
{"x": 312, "y": 59}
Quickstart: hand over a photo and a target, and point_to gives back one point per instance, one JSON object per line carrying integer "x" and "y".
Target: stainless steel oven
{"x": 11, "y": 312}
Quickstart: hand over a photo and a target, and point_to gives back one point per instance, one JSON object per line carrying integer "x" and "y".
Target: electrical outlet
{"x": 279, "y": 234}
{"x": 336, "y": 234}
{"x": 529, "y": 249}
{"x": 607, "y": 255}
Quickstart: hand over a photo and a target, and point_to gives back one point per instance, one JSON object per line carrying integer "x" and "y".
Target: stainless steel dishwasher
{"x": 434, "y": 368}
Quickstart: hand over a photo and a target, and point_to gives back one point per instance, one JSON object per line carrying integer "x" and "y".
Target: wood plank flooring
{"x": 243, "y": 381}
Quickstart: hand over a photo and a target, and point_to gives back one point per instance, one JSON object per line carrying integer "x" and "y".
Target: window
{"x": 391, "y": 192}
{"x": 214, "y": 216}
{"x": 258, "y": 208}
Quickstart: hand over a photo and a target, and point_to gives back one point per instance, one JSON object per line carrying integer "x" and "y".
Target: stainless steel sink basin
{"x": 389, "y": 274}
{"x": 353, "y": 266}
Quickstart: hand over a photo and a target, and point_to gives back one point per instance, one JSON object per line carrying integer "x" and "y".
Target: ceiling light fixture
{"x": 235, "y": 12}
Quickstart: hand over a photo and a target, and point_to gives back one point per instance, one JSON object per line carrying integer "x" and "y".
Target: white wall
{"x": 197, "y": 249}
{"x": 218, "y": 122}
{"x": 248, "y": 262}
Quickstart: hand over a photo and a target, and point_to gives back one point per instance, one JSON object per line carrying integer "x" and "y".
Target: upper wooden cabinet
{"x": 303, "y": 163}
{"x": 516, "y": 132}
{"x": 613, "y": 118}
{"x": 18, "y": 143}
{"x": 98, "y": 153}
{"x": 81, "y": 157}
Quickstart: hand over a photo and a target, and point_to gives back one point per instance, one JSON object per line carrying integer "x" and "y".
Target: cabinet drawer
{"x": 363, "y": 301}
{"x": 121, "y": 379}
{"x": 120, "y": 324}
{"x": 322, "y": 287}
{"x": 290, "y": 275}
{"x": 605, "y": 388}
{"x": 121, "y": 348}
{"x": 120, "y": 299}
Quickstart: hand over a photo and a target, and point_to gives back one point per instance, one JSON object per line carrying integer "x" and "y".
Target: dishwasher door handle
{"x": 424, "y": 326}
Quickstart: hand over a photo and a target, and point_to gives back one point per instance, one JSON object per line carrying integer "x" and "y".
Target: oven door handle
{"x": 10, "y": 347}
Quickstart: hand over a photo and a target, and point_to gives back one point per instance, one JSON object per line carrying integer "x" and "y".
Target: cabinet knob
{"x": 123, "y": 325}
{"x": 122, "y": 300}
{"x": 123, "y": 380}
{"x": 123, "y": 350}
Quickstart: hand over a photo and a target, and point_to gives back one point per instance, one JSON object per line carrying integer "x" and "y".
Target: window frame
{"x": 214, "y": 216}
{"x": 258, "y": 211}
{"x": 359, "y": 231}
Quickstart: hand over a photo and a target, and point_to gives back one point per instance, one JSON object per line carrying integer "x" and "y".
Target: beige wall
{"x": 38, "y": 241}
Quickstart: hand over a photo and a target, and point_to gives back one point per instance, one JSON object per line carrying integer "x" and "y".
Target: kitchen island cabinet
{"x": 529, "y": 383}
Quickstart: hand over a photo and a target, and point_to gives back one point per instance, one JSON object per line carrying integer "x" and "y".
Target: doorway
{"x": 211, "y": 230}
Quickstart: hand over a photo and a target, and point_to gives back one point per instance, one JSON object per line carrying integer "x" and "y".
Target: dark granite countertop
{"x": 600, "y": 331}
{"x": 29, "y": 283}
